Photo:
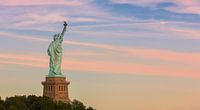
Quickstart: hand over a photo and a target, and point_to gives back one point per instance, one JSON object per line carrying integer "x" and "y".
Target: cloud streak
{"x": 100, "y": 25}
{"x": 186, "y": 6}
{"x": 39, "y": 2}
{"x": 191, "y": 58}
{"x": 101, "y": 66}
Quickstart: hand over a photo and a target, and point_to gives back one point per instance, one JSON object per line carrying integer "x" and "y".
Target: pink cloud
{"x": 29, "y": 64}
{"x": 110, "y": 66}
{"x": 37, "y": 21}
{"x": 26, "y": 60}
{"x": 24, "y": 37}
{"x": 163, "y": 55}
{"x": 176, "y": 29}
{"x": 186, "y": 6}
{"x": 23, "y": 57}
{"x": 84, "y": 19}
{"x": 130, "y": 68}
{"x": 158, "y": 54}
{"x": 40, "y": 2}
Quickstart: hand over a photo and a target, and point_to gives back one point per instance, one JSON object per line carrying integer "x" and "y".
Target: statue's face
{"x": 58, "y": 34}
{"x": 54, "y": 37}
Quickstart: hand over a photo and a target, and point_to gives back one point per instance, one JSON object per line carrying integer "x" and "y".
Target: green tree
{"x": 37, "y": 105}
{"x": 17, "y": 102}
{"x": 40, "y": 103}
{"x": 33, "y": 102}
{"x": 77, "y": 105}
{"x": 2, "y": 107}
{"x": 30, "y": 99}
{"x": 90, "y": 108}
{"x": 62, "y": 106}
{"x": 12, "y": 107}
{"x": 47, "y": 103}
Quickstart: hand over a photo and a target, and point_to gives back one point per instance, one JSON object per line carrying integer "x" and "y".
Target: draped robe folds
{"x": 55, "y": 53}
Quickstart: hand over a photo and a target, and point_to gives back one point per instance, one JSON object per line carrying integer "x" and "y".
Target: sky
{"x": 118, "y": 54}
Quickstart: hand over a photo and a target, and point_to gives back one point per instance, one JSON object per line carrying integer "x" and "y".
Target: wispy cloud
{"x": 186, "y": 6}
{"x": 102, "y": 66}
{"x": 138, "y": 37}
{"x": 111, "y": 35}
{"x": 148, "y": 12}
{"x": 40, "y": 17}
{"x": 23, "y": 57}
{"x": 39, "y": 2}
{"x": 163, "y": 55}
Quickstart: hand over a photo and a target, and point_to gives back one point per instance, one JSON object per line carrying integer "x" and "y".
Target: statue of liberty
{"x": 55, "y": 53}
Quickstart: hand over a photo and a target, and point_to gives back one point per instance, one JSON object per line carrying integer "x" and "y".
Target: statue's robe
{"x": 55, "y": 53}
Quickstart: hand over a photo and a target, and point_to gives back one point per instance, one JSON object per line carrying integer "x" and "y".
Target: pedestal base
{"x": 56, "y": 88}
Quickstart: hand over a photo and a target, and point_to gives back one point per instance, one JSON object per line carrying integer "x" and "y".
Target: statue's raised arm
{"x": 64, "y": 29}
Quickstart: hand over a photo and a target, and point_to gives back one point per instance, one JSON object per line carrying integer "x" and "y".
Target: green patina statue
{"x": 55, "y": 53}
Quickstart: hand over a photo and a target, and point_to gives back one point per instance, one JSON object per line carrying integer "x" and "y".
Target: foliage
{"x": 76, "y": 105}
{"x": 33, "y": 102}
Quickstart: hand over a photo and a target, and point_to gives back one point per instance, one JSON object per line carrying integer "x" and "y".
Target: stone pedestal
{"x": 56, "y": 88}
